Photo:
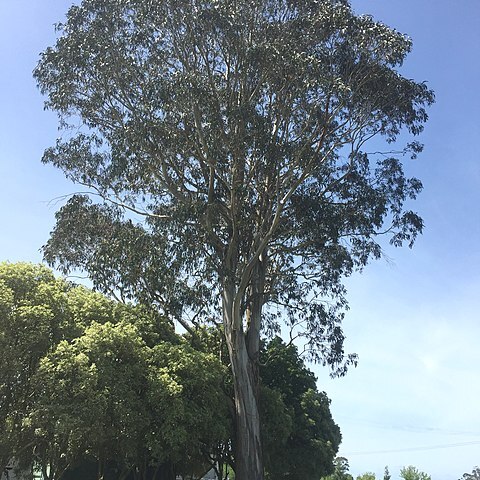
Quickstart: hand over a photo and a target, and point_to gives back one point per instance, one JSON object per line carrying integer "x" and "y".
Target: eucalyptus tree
{"x": 225, "y": 144}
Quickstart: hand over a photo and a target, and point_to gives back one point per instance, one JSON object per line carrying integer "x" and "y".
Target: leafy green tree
{"x": 386, "y": 474}
{"x": 89, "y": 382}
{"x": 197, "y": 419}
{"x": 412, "y": 473}
{"x": 91, "y": 400}
{"x": 67, "y": 412}
{"x": 341, "y": 471}
{"x": 34, "y": 317}
{"x": 305, "y": 438}
{"x": 110, "y": 398}
{"x": 366, "y": 476}
{"x": 39, "y": 312}
{"x": 277, "y": 426}
{"x": 475, "y": 475}
{"x": 238, "y": 131}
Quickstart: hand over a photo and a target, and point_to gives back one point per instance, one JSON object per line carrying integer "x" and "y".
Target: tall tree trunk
{"x": 247, "y": 446}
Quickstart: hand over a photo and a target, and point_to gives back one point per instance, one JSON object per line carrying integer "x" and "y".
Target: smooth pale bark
{"x": 248, "y": 448}
{"x": 244, "y": 355}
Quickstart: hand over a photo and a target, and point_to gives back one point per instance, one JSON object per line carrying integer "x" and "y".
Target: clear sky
{"x": 414, "y": 319}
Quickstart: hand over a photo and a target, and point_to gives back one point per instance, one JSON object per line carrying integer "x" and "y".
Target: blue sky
{"x": 414, "y": 319}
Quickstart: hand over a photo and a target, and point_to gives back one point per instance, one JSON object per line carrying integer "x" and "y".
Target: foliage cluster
{"x": 93, "y": 388}
{"x": 85, "y": 379}
{"x": 474, "y": 475}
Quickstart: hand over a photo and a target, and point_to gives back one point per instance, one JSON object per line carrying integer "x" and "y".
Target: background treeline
{"x": 91, "y": 388}
{"x": 341, "y": 472}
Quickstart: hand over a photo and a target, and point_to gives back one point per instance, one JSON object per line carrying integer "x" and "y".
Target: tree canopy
{"x": 86, "y": 379}
{"x": 34, "y": 316}
{"x": 238, "y": 132}
{"x": 341, "y": 470}
{"x": 310, "y": 436}
{"x": 413, "y": 473}
{"x": 366, "y": 476}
